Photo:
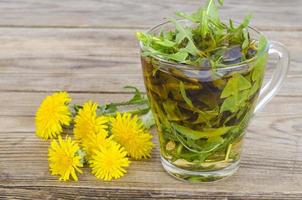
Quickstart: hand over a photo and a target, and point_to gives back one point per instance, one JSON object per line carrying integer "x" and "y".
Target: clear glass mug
{"x": 202, "y": 113}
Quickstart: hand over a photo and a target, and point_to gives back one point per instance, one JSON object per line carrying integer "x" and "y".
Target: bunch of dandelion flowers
{"x": 107, "y": 157}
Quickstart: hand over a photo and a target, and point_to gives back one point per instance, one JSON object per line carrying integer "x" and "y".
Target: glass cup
{"x": 202, "y": 113}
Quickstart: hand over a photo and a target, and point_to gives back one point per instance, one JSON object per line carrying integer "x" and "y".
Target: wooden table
{"x": 88, "y": 48}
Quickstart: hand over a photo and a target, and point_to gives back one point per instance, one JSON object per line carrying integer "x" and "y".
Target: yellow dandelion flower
{"x": 128, "y": 131}
{"x": 109, "y": 163}
{"x": 52, "y": 115}
{"x": 95, "y": 141}
{"x": 87, "y": 123}
{"x": 63, "y": 158}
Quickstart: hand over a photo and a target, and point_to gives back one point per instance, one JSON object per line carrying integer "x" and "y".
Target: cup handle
{"x": 272, "y": 87}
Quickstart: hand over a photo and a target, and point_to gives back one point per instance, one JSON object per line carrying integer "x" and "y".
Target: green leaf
{"x": 233, "y": 103}
{"x": 107, "y": 108}
{"x": 204, "y": 27}
{"x": 185, "y": 33}
{"x": 172, "y": 110}
{"x": 142, "y": 37}
{"x": 231, "y": 22}
{"x": 168, "y": 35}
{"x": 205, "y": 117}
{"x": 209, "y": 100}
{"x": 147, "y": 39}
{"x": 153, "y": 52}
{"x": 258, "y": 71}
{"x": 254, "y": 89}
{"x": 235, "y": 84}
{"x": 212, "y": 11}
{"x": 206, "y": 133}
{"x": 165, "y": 43}
{"x": 184, "y": 95}
{"x": 138, "y": 97}
{"x": 148, "y": 120}
{"x": 229, "y": 104}
{"x": 239, "y": 35}
{"x": 262, "y": 46}
{"x": 211, "y": 144}
{"x": 191, "y": 44}
{"x": 179, "y": 56}
{"x": 189, "y": 49}
{"x": 221, "y": 2}
{"x": 246, "y": 40}
{"x": 246, "y": 21}
{"x": 193, "y": 17}
{"x": 236, "y": 92}
{"x": 203, "y": 14}
{"x": 200, "y": 147}
{"x": 257, "y": 74}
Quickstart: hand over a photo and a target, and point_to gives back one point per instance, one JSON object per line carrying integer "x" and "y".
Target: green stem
{"x": 134, "y": 112}
{"x": 126, "y": 103}
{"x": 227, "y": 155}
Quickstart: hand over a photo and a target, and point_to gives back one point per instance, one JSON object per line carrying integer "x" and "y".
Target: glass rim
{"x": 227, "y": 66}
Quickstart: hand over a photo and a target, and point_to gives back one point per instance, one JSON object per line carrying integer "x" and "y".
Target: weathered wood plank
{"x": 275, "y": 14}
{"x": 90, "y": 60}
{"x": 272, "y": 152}
{"x": 39, "y": 51}
{"x": 91, "y": 50}
{"x": 24, "y": 104}
{"x": 47, "y": 192}
{"x": 95, "y": 83}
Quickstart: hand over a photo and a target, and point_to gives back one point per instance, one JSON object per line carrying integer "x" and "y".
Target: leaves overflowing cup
{"x": 203, "y": 78}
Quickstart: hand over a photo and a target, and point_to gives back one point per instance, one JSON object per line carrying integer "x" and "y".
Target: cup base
{"x": 196, "y": 176}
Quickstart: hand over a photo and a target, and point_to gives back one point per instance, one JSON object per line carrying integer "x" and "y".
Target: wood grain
{"x": 270, "y": 154}
{"x": 65, "y": 50}
{"x": 88, "y": 48}
{"x": 18, "y": 109}
{"x": 24, "y": 104}
{"x": 46, "y": 192}
{"x": 91, "y": 60}
{"x": 272, "y": 15}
